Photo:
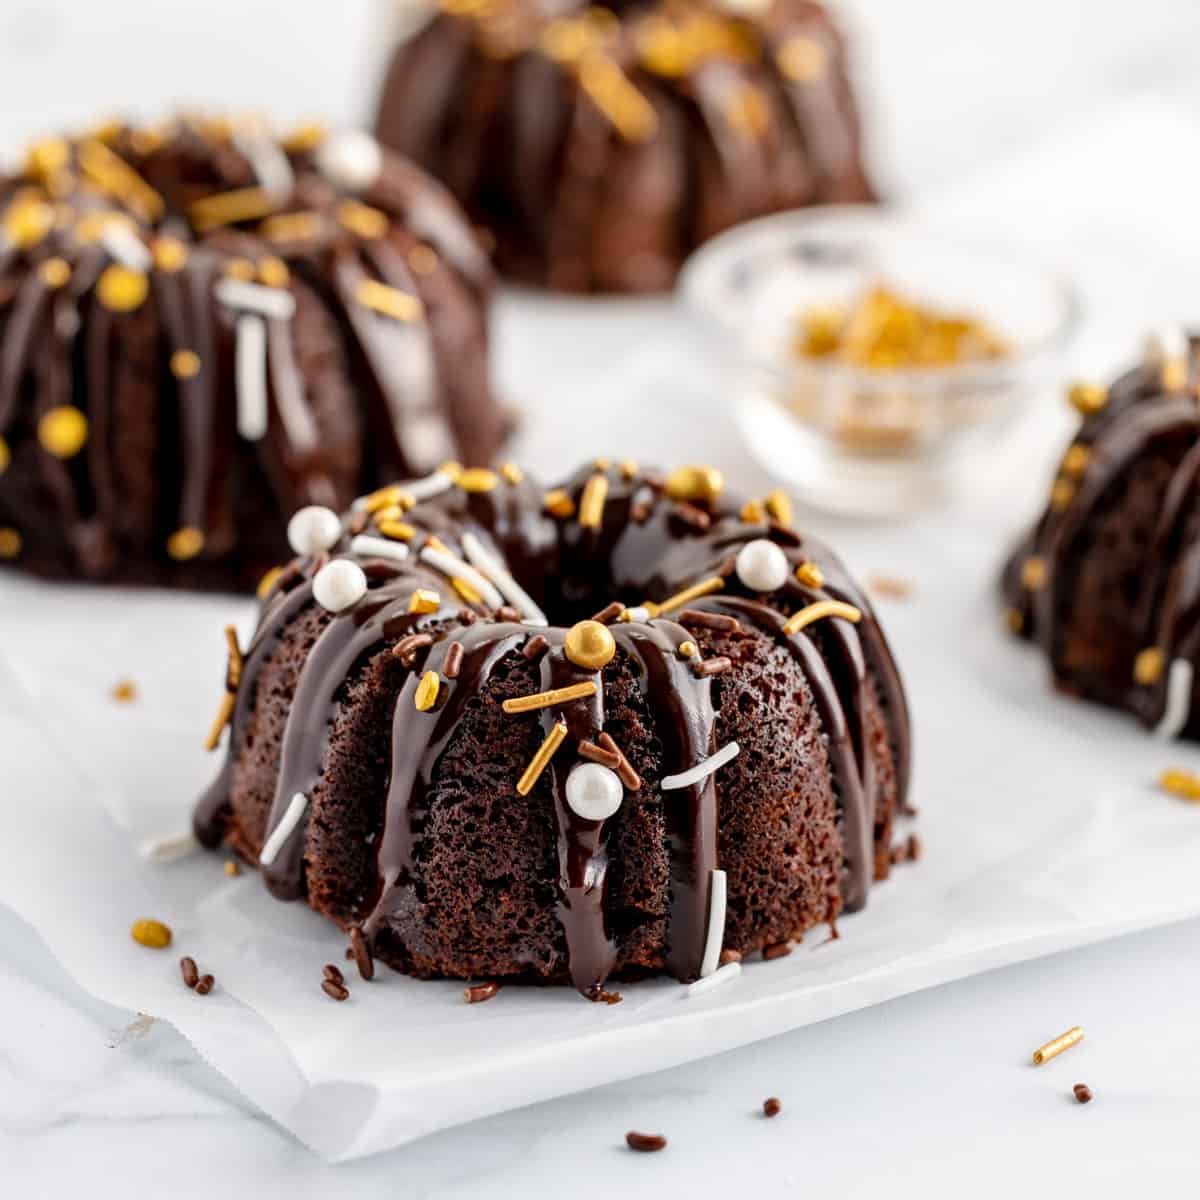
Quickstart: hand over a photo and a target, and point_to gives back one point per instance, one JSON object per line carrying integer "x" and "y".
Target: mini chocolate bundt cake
{"x": 205, "y": 327}
{"x": 600, "y": 145}
{"x": 1108, "y": 580}
{"x": 702, "y": 760}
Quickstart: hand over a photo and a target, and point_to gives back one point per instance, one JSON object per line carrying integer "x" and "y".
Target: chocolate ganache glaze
{"x": 705, "y": 759}
{"x": 205, "y": 327}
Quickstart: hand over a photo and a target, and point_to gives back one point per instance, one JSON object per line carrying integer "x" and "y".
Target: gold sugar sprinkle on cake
{"x": 63, "y": 431}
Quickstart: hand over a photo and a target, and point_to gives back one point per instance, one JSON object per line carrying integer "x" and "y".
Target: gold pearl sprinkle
{"x": 5, "y": 456}
{"x": 1054, "y": 1048}
{"x": 779, "y": 506}
{"x": 602, "y": 464}
{"x": 802, "y": 60}
{"x": 63, "y": 431}
{"x": 241, "y": 268}
{"x": 1061, "y": 495}
{"x": 1014, "y": 619}
{"x": 10, "y": 542}
{"x": 558, "y": 504}
{"x": 541, "y": 759}
{"x": 1148, "y": 667}
{"x": 27, "y": 222}
{"x": 512, "y": 473}
{"x": 555, "y": 696}
{"x": 1181, "y": 783}
{"x": 388, "y": 301}
{"x": 1075, "y": 460}
{"x": 1087, "y": 398}
{"x": 185, "y": 364}
{"x": 478, "y": 479}
{"x": 362, "y": 219}
{"x": 426, "y": 695}
{"x": 1033, "y": 573}
{"x": 695, "y": 483}
{"x": 267, "y": 582}
{"x": 590, "y": 645}
{"x": 809, "y": 574}
{"x": 170, "y": 254}
{"x": 629, "y": 469}
{"x": 273, "y": 272}
{"x": 422, "y": 260}
{"x": 184, "y": 544}
{"x": 818, "y": 611}
{"x": 452, "y": 470}
{"x": 153, "y": 934}
{"x": 55, "y": 273}
{"x": 687, "y": 649}
{"x": 47, "y": 157}
{"x": 424, "y": 601}
{"x": 398, "y": 531}
{"x": 592, "y": 501}
{"x": 121, "y": 289}
{"x": 307, "y": 136}
{"x": 466, "y": 590}
{"x": 753, "y": 513}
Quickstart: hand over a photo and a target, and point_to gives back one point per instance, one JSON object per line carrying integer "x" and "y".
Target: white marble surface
{"x": 931, "y": 1094}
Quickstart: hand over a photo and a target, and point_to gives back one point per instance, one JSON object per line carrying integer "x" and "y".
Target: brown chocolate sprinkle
{"x": 333, "y": 974}
{"x": 645, "y": 1143}
{"x": 124, "y": 691}
{"x": 335, "y": 991}
{"x": 349, "y": 954}
{"x": 597, "y": 754}
{"x": 506, "y": 612}
{"x": 712, "y": 666}
{"x": 771, "y": 1106}
{"x": 360, "y": 950}
{"x": 467, "y": 616}
{"x": 406, "y": 648}
{"x": 1082, "y": 1093}
{"x": 479, "y": 992}
{"x": 777, "y": 950}
{"x": 454, "y": 660}
{"x": 602, "y": 996}
{"x": 729, "y": 955}
{"x": 535, "y": 647}
{"x": 628, "y": 776}
{"x": 693, "y": 618}
{"x": 609, "y": 613}
{"x": 915, "y": 847}
{"x": 187, "y": 968}
{"x": 907, "y": 851}
{"x": 204, "y": 985}
{"x": 692, "y": 516}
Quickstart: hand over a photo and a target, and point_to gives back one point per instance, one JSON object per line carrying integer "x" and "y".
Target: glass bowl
{"x": 871, "y": 441}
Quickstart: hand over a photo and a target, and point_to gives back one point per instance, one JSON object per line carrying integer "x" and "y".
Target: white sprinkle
{"x": 639, "y": 614}
{"x": 701, "y": 770}
{"x": 366, "y": 546}
{"x": 450, "y": 566}
{"x": 280, "y": 834}
{"x": 480, "y": 556}
{"x": 339, "y": 585}
{"x": 1179, "y": 700}
{"x": 251, "y": 373}
{"x": 351, "y": 160}
{"x": 716, "y": 923}
{"x": 430, "y": 486}
{"x": 170, "y": 848}
{"x": 274, "y": 302}
{"x": 126, "y": 247}
{"x": 762, "y": 566}
{"x": 593, "y": 791}
{"x": 726, "y": 974}
{"x": 268, "y": 162}
{"x": 313, "y": 528}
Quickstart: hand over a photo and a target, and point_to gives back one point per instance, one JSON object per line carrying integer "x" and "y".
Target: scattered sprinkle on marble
{"x": 771, "y": 1106}
{"x": 479, "y": 992}
{"x": 645, "y": 1143}
{"x": 335, "y": 991}
{"x": 1082, "y": 1093}
{"x": 1054, "y": 1048}
{"x": 153, "y": 934}
{"x": 170, "y": 847}
{"x": 124, "y": 691}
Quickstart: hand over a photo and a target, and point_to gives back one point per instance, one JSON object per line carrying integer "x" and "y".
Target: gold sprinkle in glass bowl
{"x": 873, "y": 360}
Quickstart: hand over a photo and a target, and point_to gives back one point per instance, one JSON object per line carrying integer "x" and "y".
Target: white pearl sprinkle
{"x": 351, "y": 160}
{"x": 762, "y": 566}
{"x": 313, "y": 529}
{"x": 594, "y": 792}
{"x": 339, "y": 585}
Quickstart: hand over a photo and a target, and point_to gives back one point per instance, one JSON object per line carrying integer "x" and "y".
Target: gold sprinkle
{"x": 150, "y": 933}
{"x": 512, "y": 473}
{"x": 1181, "y": 783}
{"x": 558, "y": 504}
{"x": 1061, "y": 495}
{"x": 388, "y": 301}
{"x": 809, "y": 574}
{"x": 687, "y": 649}
{"x": 27, "y": 222}
{"x": 385, "y": 497}
{"x": 398, "y": 531}
{"x": 307, "y": 136}
{"x": 5, "y": 456}
{"x": 602, "y": 464}
{"x": 779, "y": 506}
{"x": 273, "y": 272}
{"x": 748, "y": 111}
{"x": 890, "y": 586}
{"x": 802, "y": 59}
{"x": 1057, "y": 1046}
{"x": 241, "y": 268}
{"x": 695, "y": 483}
{"x": 224, "y": 717}
{"x": 1014, "y": 618}
{"x": 1148, "y": 667}
{"x": 185, "y": 543}
{"x": 815, "y": 612}
{"x": 1033, "y": 573}
{"x": 185, "y": 364}
{"x": 47, "y": 157}
{"x": 63, "y": 431}
{"x": 267, "y": 582}
{"x": 752, "y": 512}
{"x": 55, "y": 273}
{"x": 423, "y": 600}
{"x": 541, "y": 759}
{"x": 1075, "y": 460}
{"x": 231, "y": 208}
{"x": 609, "y": 89}
{"x": 562, "y": 695}
{"x": 362, "y": 219}
{"x": 478, "y": 479}
{"x": 590, "y": 645}
{"x": 426, "y": 695}
{"x": 1087, "y": 398}
{"x": 436, "y": 543}
{"x": 170, "y": 254}
{"x": 452, "y": 470}
{"x": 122, "y": 289}
{"x": 124, "y": 691}
{"x": 591, "y": 502}
{"x": 422, "y": 260}
{"x": 10, "y": 542}
{"x": 704, "y": 588}
{"x": 292, "y": 227}
{"x": 112, "y": 174}
{"x": 231, "y": 868}
{"x": 466, "y": 590}
{"x": 629, "y": 469}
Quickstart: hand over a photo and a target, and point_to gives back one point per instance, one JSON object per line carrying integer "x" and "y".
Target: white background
{"x": 1070, "y": 125}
